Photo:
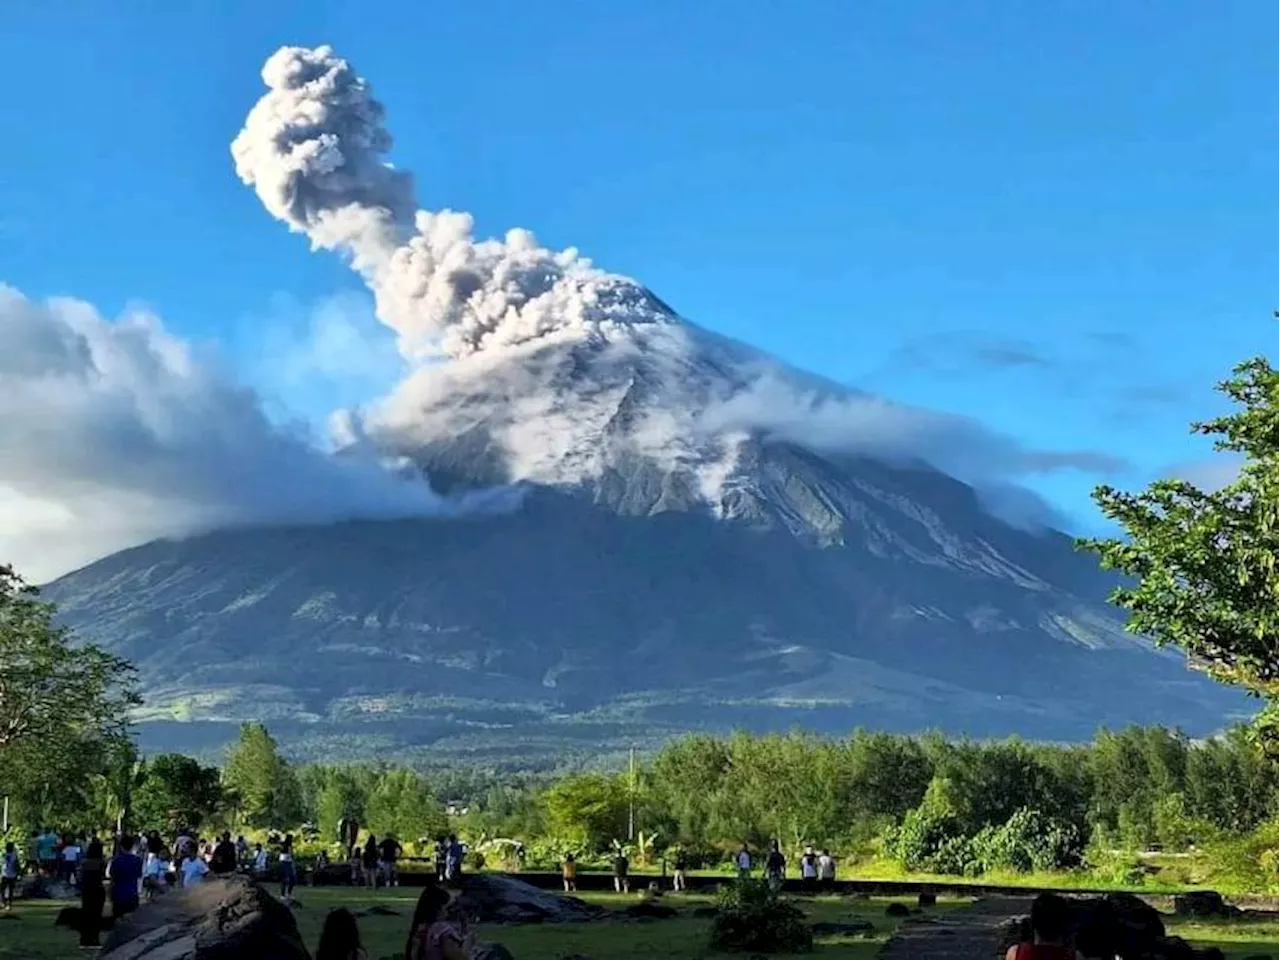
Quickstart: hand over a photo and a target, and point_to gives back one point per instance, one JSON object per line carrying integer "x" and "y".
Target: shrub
{"x": 1244, "y": 863}
{"x": 928, "y": 841}
{"x": 754, "y": 919}
{"x": 1027, "y": 841}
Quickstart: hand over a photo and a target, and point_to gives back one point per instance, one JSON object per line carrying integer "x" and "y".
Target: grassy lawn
{"x": 1235, "y": 938}
{"x": 28, "y": 932}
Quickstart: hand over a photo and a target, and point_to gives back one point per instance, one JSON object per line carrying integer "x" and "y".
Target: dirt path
{"x": 970, "y": 933}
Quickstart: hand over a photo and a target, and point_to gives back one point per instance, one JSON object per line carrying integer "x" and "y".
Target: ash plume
{"x": 314, "y": 149}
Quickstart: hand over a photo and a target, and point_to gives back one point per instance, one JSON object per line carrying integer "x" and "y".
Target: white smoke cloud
{"x": 112, "y": 433}
{"x": 560, "y": 370}
{"x": 314, "y": 149}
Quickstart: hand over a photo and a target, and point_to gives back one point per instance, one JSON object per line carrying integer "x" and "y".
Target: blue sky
{"x": 1058, "y": 218}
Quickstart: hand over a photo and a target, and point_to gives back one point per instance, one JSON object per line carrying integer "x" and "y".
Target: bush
{"x": 929, "y": 841}
{"x": 935, "y": 842}
{"x": 474, "y": 861}
{"x": 1245, "y": 863}
{"x": 754, "y": 919}
{"x": 1027, "y": 841}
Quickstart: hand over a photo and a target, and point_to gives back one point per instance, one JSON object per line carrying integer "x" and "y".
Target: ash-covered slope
{"x": 569, "y": 623}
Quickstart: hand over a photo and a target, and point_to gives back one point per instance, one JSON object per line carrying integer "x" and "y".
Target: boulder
{"x": 222, "y": 918}
{"x": 926, "y": 899}
{"x": 897, "y": 910}
{"x": 1203, "y": 903}
{"x": 493, "y": 898}
{"x": 42, "y": 888}
{"x": 490, "y": 951}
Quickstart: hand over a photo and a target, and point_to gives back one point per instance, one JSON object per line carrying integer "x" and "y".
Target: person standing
{"x": 369, "y": 862}
{"x": 743, "y": 862}
{"x": 453, "y": 860}
{"x": 125, "y": 871}
{"x": 441, "y": 858}
{"x": 775, "y": 867}
{"x": 569, "y": 872}
{"x": 8, "y": 875}
{"x": 680, "y": 866}
{"x": 809, "y": 870}
{"x": 288, "y": 870}
{"x": 71, "y": 853}
{"x": 827, "y": 871}
{"x": 47, "y": 852}
{"x": 388, "y": 855}
{"x": 621, "y": 883}
{"x": 224, "y": 858}
{"x": 92, "y": 893}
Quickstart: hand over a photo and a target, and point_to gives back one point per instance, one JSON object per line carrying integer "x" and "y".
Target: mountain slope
{"x": 844, "y": 593}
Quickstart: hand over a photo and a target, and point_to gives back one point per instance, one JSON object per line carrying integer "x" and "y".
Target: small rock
{"x": 897, "y": 910}
{"x": 852, "y": 928}
{"x": 1202, "y": 903}
{"x": 648, "y": 910}
{"x": 490, "y": 951}
{"x": 927, "y": 900}
{"x": 377, "y": 910}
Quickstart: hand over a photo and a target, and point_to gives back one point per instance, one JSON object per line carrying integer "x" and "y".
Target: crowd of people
{"x": 817, "y": 870}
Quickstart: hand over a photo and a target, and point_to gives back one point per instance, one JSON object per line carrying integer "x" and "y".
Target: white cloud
{"x": 1209, "y": 474}
{"x": 113, "y": 433}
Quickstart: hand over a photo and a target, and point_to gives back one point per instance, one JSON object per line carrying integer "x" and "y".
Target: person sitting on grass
{"x": 432, "y": 936}
{"x": 1050, "y": 924}
{"x": 340, "y": 938}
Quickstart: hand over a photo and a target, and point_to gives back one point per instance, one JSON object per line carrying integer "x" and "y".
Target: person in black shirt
{"x": 775, "y": 867}
{"x": 681, "y": 867}
{"x": 369, "y": 861}
{"x": 223, "y": 860}
{"x": 388, "y": 853}
{"x": 621, "y": 882}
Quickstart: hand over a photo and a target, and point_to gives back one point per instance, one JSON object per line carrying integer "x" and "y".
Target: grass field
{"x": 28, "y": 932}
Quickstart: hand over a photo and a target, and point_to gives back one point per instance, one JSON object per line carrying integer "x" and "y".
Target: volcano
{"x": 655, "y": 528}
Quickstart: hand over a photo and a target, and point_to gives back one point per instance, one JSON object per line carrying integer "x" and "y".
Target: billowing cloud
{"x": 556, "y": 369}
{"x": 113, "y": 433}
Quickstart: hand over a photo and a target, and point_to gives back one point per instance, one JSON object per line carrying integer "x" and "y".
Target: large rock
{"x": 42, "y": 888}
{"x": 227, "y": 918}
{"x": 1203, "y": 903}
{"x": 492, "y": 898}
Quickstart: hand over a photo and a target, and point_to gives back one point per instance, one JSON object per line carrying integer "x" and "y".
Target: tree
{"x": 176, "y": 791}
{"x": 588, "y": 810}
{"x": 267, "y": 789}
{"x": 54, "y": 692}
{"x": 1205, "y": 561}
